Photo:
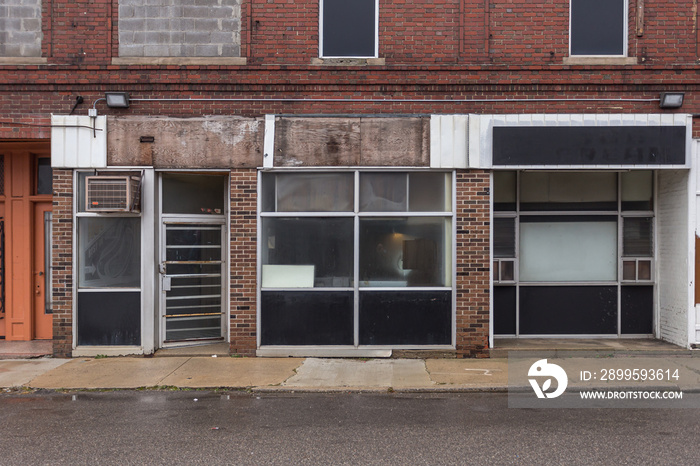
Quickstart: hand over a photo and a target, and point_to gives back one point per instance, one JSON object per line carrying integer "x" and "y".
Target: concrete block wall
{"x": 180, "y": 28}
{"x": 673, "y": 255}
{"x": 20, "y": 28}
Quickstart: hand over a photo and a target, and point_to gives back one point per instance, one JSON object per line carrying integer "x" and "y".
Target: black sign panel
{"x": 589, "y": 145}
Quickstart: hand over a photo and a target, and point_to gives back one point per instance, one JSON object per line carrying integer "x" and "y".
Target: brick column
{"x": 473, "y": 263}
{"x": 62, "y": 263}
{"x": 243, "y": 261}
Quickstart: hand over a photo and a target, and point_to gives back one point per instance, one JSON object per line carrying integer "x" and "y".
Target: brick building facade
{"x": 269, "y": 97}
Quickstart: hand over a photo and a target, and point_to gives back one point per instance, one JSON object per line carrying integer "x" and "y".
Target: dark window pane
{"x": 504, "y": 310}
{"x": 325, "y": 244}
{"x": 306, "y": 318}
{"x": 429, "y": 192}
{"x": 644, "y": 270}
{"x": 504, "y": 237}
{"x": 405, "y": 317}
{"x": 112, "y": 318}
{"x": 507, "y": 271}
{"x": 109, "y": 252}
{"x": 349, "y": 28}
{"x": 504, "y": 190}
{"x": 568, "y": 310}
{"x": 405, "y": 252}
{"x": 193, "y": 194}
{"x": 560, "y": 191}
{"x": 44, "y": 177}
{"x": 629, "y": 270}
{"x": 637, "y": 315}
{"x": 637, "y": 237}
{"x": 383, "y": 192}
{"x": 311, "y": 192}
{"x": 637, "y": 190}
{"x": 597, "y": 27}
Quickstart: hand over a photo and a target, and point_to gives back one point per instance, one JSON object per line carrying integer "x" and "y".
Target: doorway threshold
{"x": 220, "y": 348}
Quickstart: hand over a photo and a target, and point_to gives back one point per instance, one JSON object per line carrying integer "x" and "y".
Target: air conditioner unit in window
{"x": 113, "y": 193}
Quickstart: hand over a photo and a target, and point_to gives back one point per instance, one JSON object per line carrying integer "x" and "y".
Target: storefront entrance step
{"x": 220, "y": 348}
{"x": 25, "y": 349}
{"x": 590, "y": 346}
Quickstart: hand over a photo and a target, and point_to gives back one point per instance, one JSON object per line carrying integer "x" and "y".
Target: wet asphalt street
{"x": 204, "y": 427}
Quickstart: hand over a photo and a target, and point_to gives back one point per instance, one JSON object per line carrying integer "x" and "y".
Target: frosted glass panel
{"x": 568, "y": 251}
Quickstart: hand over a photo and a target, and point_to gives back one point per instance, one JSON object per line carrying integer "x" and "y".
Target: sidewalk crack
{"x": 160, "y": 382}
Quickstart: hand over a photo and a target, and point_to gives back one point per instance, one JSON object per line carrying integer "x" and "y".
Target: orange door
{"x": 41, "y": 272}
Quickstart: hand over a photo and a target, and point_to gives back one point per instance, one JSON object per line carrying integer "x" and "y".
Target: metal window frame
{"x": 357, "y": 348}
{"x": 619, "y": 214}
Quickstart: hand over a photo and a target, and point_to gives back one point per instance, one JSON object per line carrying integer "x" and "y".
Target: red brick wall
{"x": 243, "y": 268}
{"x": 415, "y": 32}
{"x": 473, "y": 263}
{"x": 62, "y": 262}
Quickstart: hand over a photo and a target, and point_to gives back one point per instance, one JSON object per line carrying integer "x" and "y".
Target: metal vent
{"x": 112, "y": 193}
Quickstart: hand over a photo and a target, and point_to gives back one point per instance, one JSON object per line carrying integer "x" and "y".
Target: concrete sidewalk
{"x": 314, "y": 374}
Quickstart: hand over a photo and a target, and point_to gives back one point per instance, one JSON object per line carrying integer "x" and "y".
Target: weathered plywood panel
{"x": 209, "y": 142}
{"x": 351, "y": 141}
{"x": 395, "y": 142}
{"x": 317, "y": 142}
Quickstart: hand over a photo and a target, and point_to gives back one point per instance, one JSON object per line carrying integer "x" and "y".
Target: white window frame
{"x": 625, "y": 34}
{"x": 321, "y": 9}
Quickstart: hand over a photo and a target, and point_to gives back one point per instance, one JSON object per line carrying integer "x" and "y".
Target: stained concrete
{"x": 25, "y": 349}
{"x": 324, "y": 374}
{"x": 232, "y": 372}
{"x": 109, "y": 373}
{"x": 453, "y": 373}
{"x": 19, "y": 372}
{"x": 208, "y": 142}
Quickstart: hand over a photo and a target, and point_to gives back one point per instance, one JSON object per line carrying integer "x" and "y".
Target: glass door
{"x": 192, "y": 271}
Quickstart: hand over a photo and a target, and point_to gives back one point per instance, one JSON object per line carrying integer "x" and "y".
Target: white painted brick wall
{"x": 673, "y": 255}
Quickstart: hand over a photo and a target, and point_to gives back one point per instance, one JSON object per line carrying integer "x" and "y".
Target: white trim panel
{"x": 75, "y": 144}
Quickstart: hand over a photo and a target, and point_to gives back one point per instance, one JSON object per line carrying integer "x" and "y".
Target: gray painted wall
{"x": 20, "y": 28}
{"x": 179, "y": 28}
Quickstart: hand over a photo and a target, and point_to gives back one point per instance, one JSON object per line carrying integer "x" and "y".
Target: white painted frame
{"x": 321, "y": 33}
{"x": 147, "y": 266}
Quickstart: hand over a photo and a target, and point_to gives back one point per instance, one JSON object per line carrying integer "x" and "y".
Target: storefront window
{"x": 109, "y": 252}
{"x": 375, "y": 264}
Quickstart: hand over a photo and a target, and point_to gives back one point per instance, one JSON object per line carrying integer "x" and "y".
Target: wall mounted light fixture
{"x": 671, "y": 99}
{"x": 117, "y": 99}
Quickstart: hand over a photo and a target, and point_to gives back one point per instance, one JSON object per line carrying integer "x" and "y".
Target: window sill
{"x": 213, "y": 61}
{"x": 23, "y": 61}
{"x": 348, "y": 61}
{"x": 600, "y": 60}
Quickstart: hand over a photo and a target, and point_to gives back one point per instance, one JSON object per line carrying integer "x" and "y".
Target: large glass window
{"x": 109, "y": 252}
{"x": 389, "y": 241}
{"x": 569, "y": 248}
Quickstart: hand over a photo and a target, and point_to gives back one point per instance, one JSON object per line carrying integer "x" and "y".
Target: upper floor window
{"x": 179, "y": 28}
{"x": 598, "y": 28}
{"x": 349, "y": 28}
{"x": 20, "y": 28}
